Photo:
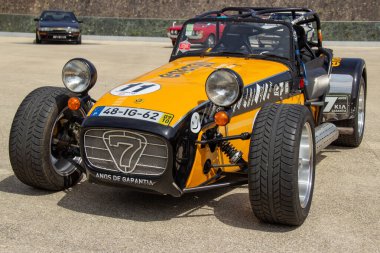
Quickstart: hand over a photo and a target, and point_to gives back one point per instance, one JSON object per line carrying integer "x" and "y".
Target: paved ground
{"x": 344, "y": 216}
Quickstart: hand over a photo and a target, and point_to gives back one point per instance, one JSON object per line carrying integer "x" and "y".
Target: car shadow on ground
{"x": 12, "y": 185}
{"x": 58, "y": 43}
{"x": 230, "y": 207}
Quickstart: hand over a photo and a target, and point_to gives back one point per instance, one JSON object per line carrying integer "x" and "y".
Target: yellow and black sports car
{"x": 255, "y": 108}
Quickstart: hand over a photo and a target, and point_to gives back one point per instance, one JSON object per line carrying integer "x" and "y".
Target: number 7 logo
{"x": 125, "y": 148}
{"x": 330, "y": 103}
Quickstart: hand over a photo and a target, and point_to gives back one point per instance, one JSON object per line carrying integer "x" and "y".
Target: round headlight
{"x": 224, "y": 87}
{"x": 79, "y": 75}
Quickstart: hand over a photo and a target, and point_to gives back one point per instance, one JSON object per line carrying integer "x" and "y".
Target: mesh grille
{"x": 127, "y": 151}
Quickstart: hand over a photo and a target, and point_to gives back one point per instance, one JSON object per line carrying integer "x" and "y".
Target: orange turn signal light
{"x": 221, "y": 118}
{"x": 73, "y": 103}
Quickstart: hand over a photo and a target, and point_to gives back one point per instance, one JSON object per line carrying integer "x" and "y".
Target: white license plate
{"x": 133, "y": 113}
{"x": 59, "y": 37}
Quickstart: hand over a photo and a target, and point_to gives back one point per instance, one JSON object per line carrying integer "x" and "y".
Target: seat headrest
{"x": 301, "y": 36}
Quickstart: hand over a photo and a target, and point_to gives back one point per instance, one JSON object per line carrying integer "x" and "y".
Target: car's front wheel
{"x": 43, "y": 142}
{"x": 79, "y": 41}
{"x": 38, "y": 41}
{"x": 282, "y": 164}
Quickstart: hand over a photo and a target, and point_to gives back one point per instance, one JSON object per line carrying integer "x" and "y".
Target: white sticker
{"x": 133, "y": 89}
{"x": 189, "y": 29}
{"x": 195, "y": 124}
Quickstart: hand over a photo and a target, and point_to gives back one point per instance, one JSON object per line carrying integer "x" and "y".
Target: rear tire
{"x": 281, "y": 164}
{"x": 30, "y": 141}
{"x": 357, "y": 123}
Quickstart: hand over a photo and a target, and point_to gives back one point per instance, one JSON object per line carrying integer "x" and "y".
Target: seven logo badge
{"x": 125, "y": 148}
{"x": 195, "y": 124}
{"x": 336, "y": 104}
{"x": 133, "y": 89}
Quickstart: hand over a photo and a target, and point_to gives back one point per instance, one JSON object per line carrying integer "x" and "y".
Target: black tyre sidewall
{"x": 64, "y": 181}
{"x": 273, "y": 183}
{"x": 30, "y": 140}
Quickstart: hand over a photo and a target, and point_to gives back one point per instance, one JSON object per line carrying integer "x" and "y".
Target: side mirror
{"x": 36, "y": 19}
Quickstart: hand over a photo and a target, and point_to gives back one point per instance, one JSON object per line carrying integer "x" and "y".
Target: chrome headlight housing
{"x": 79, "y": 75}
{"x": 224, "y": 87}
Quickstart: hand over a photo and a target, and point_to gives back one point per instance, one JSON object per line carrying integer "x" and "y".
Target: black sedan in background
{"x": 58, "y": 26}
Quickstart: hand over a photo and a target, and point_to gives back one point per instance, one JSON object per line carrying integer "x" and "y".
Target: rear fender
{"x": 344, "y": 88}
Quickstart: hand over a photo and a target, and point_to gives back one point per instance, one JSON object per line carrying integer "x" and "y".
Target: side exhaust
{"x": 325, "y": 134}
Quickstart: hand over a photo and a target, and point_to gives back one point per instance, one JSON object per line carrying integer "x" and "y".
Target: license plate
{"x": 59, "y": 37}
{"x": 134, "y": 113}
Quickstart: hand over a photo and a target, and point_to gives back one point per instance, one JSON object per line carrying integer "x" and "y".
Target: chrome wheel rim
{"x": 305, "y": 165}
{"x": 61, "y": 165}
{"x": 361, "y": 110}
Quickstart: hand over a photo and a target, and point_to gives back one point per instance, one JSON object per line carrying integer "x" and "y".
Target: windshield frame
{"x": 292, "y": 49}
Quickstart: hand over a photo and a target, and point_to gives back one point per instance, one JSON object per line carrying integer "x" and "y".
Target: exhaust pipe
{"x": 346, "y": 130}
{"x": 325, "y": 134}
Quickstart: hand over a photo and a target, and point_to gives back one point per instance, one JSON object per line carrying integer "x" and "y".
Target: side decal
{"x": 186, "y": 69}
{"x": 336, "y": 103}
{"x": 255, "y": 95}
{"x": 266, "y": 91}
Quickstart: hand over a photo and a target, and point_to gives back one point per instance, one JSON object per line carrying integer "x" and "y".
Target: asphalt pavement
{"x": 344, "y": 217}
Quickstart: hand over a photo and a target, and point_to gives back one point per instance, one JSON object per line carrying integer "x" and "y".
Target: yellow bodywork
{"x": 183, "y": 88}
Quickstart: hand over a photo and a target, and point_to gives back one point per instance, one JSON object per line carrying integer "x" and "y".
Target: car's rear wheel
{"x": 282, "y": 164}
{"x": 43, "y": 143}
{"x": 357, "y": 123}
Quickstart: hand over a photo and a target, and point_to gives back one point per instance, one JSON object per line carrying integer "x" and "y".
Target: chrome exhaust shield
{"x": 325, "y": 134}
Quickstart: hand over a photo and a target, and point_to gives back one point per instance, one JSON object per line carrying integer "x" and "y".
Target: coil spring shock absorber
{"x": 235, "y": 156}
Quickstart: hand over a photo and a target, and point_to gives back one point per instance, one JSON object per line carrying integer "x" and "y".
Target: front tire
{"x": 37, "y": 140}
{"x": 282, "y": 164}
{"x": 79, "y": 41}
{"x": 38, "y": 41}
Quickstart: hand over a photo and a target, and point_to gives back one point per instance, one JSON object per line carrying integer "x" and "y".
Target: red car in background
{"x": 203, "y": 33}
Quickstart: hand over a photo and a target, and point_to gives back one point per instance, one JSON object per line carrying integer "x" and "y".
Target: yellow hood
{"x": 182, "y": 83}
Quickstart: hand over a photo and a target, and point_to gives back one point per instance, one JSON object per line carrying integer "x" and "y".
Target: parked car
{"x": 201, "y": 33}
{"x": 173, "y": 32}
{"x": 246, "y": 111}
{"x": 58, "y": 26}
